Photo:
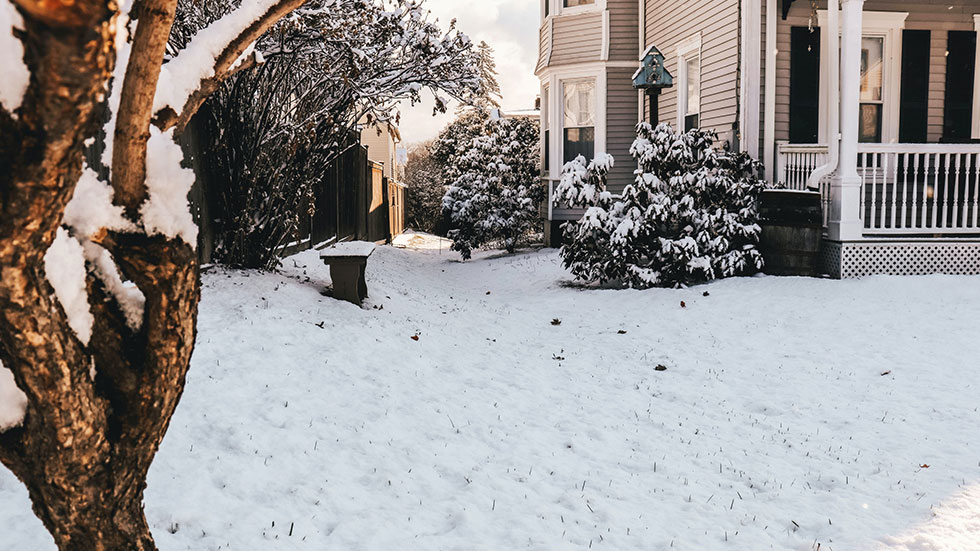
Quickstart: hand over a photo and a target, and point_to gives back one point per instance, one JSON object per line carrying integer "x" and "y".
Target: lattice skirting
{"x": 857, "y": 259}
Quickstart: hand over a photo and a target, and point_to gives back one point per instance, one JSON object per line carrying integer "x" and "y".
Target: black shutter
{"x": 804, "y": 85}
{"x": 913, "y": 124}
{"x": 960, "y": 61}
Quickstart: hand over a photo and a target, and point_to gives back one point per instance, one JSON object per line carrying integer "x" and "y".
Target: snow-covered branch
{"x": 214, "y": 54}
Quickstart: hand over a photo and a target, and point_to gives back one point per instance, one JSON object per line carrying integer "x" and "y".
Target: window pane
{"x": 579, "y": 104}
{"x": 546, "y": 163}
{"x": 573, "y": 3}
{"x": 579, "y": 141}
{"x": 870, "y": 123}
{"x": 693, "y": 86}
{"x": 872, "y": 67}
{"x": 691, "y": 122}
{"x": 545, "y": 102}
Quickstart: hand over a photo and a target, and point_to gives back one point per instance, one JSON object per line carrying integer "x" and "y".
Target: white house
{"x": 889, "y": 133}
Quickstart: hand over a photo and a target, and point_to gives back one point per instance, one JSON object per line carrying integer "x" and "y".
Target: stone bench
{"x": 348, "y": 262}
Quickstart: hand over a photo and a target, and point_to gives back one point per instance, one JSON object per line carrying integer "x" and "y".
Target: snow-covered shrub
{"x": 275, "y": 129}
{"x": 689, "y": 216}
{"x": 496, "y": 190}
{"x": 424, "y": 190}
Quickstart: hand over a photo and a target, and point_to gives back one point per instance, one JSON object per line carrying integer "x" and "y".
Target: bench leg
{"x": 362, "y": 290}
{"x": 346, "y": 281}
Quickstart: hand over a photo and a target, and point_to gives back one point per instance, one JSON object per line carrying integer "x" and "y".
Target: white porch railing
{"x": 926, "y": 189}
{"x": 909, "y": 189}
{"x": 795, "y": 163}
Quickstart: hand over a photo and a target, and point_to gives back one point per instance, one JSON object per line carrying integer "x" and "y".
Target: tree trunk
{"x": 85, "y": 445}
{"x": 98, "y": 410}
{"x": 111, "y": 522}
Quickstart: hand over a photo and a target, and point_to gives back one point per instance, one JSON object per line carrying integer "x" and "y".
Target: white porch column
{"x": 845, "y": 188}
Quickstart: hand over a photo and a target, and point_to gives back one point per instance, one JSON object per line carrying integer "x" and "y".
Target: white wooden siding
{"x": 577, "y": 39}
{"x": 670, "y": 22}
{"x": 621, "y": 119}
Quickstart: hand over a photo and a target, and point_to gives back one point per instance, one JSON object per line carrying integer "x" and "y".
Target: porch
{"x": 890, "y": 206}
{"x": 907, "y": 190}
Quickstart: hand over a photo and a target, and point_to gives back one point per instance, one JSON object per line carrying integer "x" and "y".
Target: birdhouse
{"x": 652, "y": 74}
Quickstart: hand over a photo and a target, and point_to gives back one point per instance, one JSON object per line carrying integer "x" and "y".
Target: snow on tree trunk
{"x": 98, "y": 302}
{"x": 690, "y": 215}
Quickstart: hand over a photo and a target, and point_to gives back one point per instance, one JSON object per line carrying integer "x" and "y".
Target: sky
{"x": 510, "y": 27}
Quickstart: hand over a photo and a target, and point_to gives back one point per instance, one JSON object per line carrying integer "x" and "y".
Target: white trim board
{"x": 604, "y": 54}
{"x": 684, "y": 51}
{"x": 769, "y": 132}
{"x": 750, "y": 87}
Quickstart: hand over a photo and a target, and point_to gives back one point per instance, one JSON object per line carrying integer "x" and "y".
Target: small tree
{"x": 424, "y": 190}
{"x": 457, "y": 138}
{"x": 496, "y": 195}
{"x": 690, "y": 216}
{"x": 489, "y": 93}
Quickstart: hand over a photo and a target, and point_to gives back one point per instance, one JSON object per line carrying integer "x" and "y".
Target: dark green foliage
{"x": 690, "y": 216}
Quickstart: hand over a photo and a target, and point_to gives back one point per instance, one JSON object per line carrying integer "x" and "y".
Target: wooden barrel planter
{"x": 792, "y": 229}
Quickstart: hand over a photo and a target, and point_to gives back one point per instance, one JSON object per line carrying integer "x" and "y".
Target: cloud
{"x": 510, "y": 27}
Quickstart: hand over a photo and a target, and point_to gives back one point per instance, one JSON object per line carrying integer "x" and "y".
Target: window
{"x": 579, "y": 120}
{"x": 575, "y": 3}
{"x": 547, "y": 8}
{"x": 689, "y": 83}
{"x": 692, "y": 104}
{"x": 872, "y": 85}
{"x": 545, "y": 131}
{"x": 880, "y": 96}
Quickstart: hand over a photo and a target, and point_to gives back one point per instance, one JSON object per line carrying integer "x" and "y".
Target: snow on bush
{"x": 495, "y": 197}
{"x": 13, "y": 401}
{"x": 16, "y": 76}
{"x": 64, "y": 266}
{"x": 690, "y": 215}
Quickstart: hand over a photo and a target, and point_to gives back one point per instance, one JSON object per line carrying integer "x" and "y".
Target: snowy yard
{"x": 793, "y": 414}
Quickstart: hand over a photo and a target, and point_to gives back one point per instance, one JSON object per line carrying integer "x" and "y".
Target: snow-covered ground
{"x": 793, "y": 414}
